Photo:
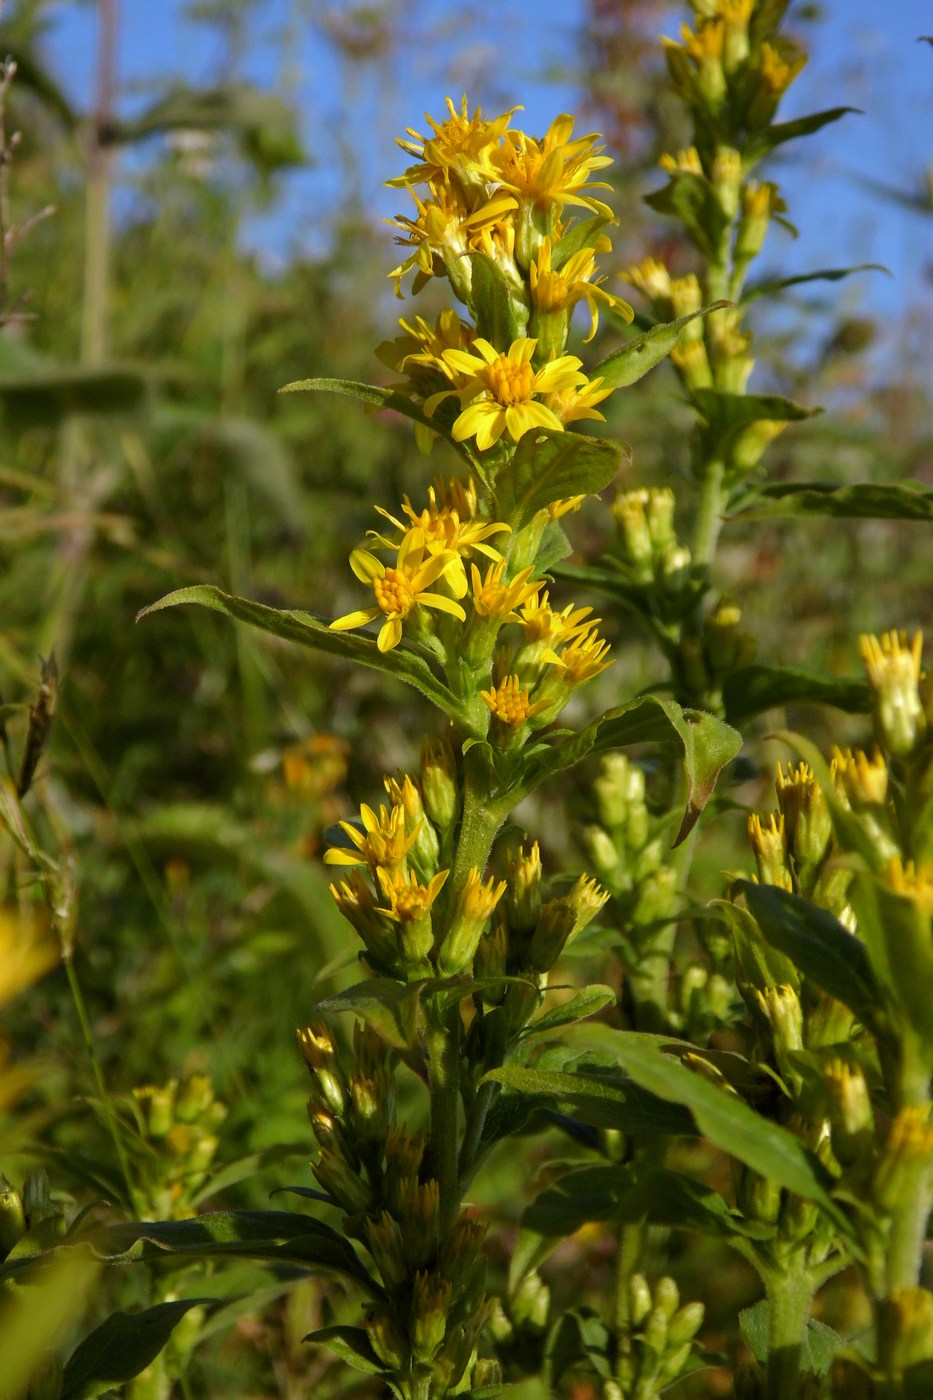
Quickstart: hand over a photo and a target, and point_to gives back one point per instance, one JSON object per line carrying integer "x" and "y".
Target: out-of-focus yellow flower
{"x": 400, "y": 588}
{"x": 650, "y": 277}
{"x": 685, "y": 162}
{"x": 25, "y": 954}
{"x": 914, "y": 882}
{"x": 503, "y": 392}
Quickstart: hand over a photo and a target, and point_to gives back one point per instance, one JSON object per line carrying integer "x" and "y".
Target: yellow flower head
{"x": 444, "y": 225}
{"x": 503, "y": 392}
{"x": 649, "y": 277}
{"x": 385, "y": 839}
{"x": 419, "y": 351}
{"x": 400, "y": 588}
{"x": 552, "y": 170}
{"x": 914, "y": 882}
{"x": 578, "y": 401}
{"x": 685, "y": 162}
{"x": 446, "y": 528}
{"x": 542, "y": 624}
{"x": 509, "y": 703}
{"x": 778, "y": 70}
{"x": 863, "y": 780}
{"x": 493, "y": 598}
{"x": 459, "y": 151}
{"x": 582, "y": 659}
{"x": 555, "y": 290}
{"x": 408, "y": 900}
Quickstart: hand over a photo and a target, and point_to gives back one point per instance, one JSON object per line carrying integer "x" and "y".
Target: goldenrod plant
{"x": 668, "y": 1082}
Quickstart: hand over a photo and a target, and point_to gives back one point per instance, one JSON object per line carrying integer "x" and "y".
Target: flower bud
{"x": 768, "y": 846}
{"x": 475, "y": 903}
{"x": 893, "y": 668}
{"x": 431, "y": 1298}
{"x": 600, "y": 852}
{"x": 639, "y": 1299}
{"x": 685, "y": 1324}
{"x": 523, "y": 889}
{"x": 667, "y": 1296}
{"x": 907, "y": 1159}
{"x": 439, "y": 783}
{"x": 386, "y": 1338}
{"x": 906, "y": 1328}
{"x": 850, "y": 1111}
{"x": 12, "y": 1217}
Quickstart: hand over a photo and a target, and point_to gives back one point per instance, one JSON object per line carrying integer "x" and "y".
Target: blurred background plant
{"x": 182, "y": 795}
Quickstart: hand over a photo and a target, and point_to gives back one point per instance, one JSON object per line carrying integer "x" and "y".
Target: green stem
{"x": 790, "y": 1298}
{"x": 87, "y": 1037}
{"x": 709, "y": 514}
{"x": 443, "y": 1046}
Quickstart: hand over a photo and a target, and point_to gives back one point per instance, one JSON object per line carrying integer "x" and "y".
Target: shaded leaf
{"x": 391, "y": 1008}
{"x": 550, "y": 466}
{"x": 906, "y": 500}
{"x": 351, "y": 1344}
{"x": 729, "y": 1122}
{"x": 578, "y": 1197}
{"x": 498, "y": 318}
{"x": 605, "y": 1100}
{"x": 818, "y": 944}
{"x": 271, "y": 1235}
{"x": 121, "y": 1347}
{"x": 627, "y": 365}
{"x": 751, "y": 690}
{"x": 310, "y": 631}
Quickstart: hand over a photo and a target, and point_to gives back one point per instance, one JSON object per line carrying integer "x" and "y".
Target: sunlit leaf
{"x": 550, "y": 466}
{"x": 627, "y": 365}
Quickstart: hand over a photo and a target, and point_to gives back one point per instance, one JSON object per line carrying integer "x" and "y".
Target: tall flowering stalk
{"x": 458, "y": 931}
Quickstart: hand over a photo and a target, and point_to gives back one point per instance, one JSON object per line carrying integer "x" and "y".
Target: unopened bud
{"x": 439, "y": 783}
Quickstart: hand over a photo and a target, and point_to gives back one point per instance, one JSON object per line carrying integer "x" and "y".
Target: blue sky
{"x": 503, "y": 51}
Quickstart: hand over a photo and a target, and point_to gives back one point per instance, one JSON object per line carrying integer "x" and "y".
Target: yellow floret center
{"x": 510, "y": 383}
{"x": 394, "y": 593}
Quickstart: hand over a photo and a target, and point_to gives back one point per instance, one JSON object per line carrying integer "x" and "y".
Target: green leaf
{"x": 824, "y": 274}
{"x": 729, "y": 1122}
{"x": 578, "y": 1197}
{"x": 708, "y": 745}
{"x": 671, "y": 1199}
{"x": 751, "y": 690}
{"x": 604, "y": 1100}
{"x": 550, "y": 466}
{"x": 818, "y": 944}
{"x": 627, "y": 365}
{"x": 391, "y": 1008}
{"x": 310, "y": 631}
{"x": 820, "y": 1342}
{"x": 896, "y": 932}
{"x": 352, "y": 1345}
{"x": 580, "y": 235}
{"x": 32, "y": 75}
{"x": 379, "y": 398}
{"x": 272, "y": 1235}
{"x": 728, "y": 414}
{"x": 582, "y": 1004}
{"x": 757, "y": 963}
{"x": 904, "y": 500}
{"x": 121, "y": 1347}
{"x": 803, "y": 126}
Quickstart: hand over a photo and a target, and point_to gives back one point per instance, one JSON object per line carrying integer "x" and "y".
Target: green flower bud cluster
{"x": 179, "y": 1120}
{"x": 375, "y": 1170}
{"x": 659, "y": 1338}
{"x": 627, "y": 849}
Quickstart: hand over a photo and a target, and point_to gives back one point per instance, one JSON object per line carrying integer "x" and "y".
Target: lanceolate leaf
{"x": 274, "y": 1236}
{"x": 627, "y": 365}
{"x": 604, "y": 1100}
{"x": 729, "y": 1122}
{"x": 310, "y": 631}
{"x": 824, "y": 274}
{"x": 819, "y": 945}
{"x": 753, "y": 689}
{"x": 904, "y": 500}
{"x": 708, "y": 745}
{"x": 803, "y": 126}
{"x": 351, "y": 1344}
{"x": 584, "y": 1003}
{"x": 121, "y": 1347}
{"x": 379, "y": 398}
{"x": 391, "y": 1008}
{"x": 550, "y": 466}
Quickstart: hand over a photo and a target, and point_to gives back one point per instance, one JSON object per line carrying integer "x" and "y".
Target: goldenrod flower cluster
{"x": 491, "y": 220}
